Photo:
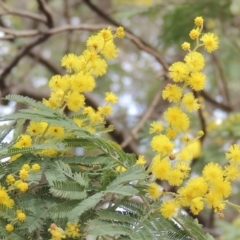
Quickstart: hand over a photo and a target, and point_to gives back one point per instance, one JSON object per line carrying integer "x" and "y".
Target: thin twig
{"x": 46, "y": 11}
{"x": 21, "y": 13}
{"x": 144, "y": 118}
{"x": 215, "y": 103}
{"x": 148, "y": 48}
{"x": 222, "y": 78}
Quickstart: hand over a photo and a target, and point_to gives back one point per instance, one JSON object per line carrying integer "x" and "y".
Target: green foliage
{"x": 181, "y": 14}
{"x": 81, "y": 189}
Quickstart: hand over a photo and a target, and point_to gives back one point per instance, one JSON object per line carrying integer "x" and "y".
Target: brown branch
{"x": 31, "y": 44}
{"x": 144, "y": 117}
{"x": 214, "y": 102}
{"x": 29, "y": 33}
{"x": 20, "y": 54}
{"x": 202, "y": 119}
{"x": 144, "y": 45}
{"x": 46, "y": 11}
{"x": 21, "y": 13}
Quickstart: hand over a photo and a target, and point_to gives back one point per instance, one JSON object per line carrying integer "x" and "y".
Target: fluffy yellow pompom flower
{"x": 55, "y": 131}
{"x": 97, "y": 67}
{"x": 160, "y": 168}
{"x": 36, "y": 167}
{"x": 168, "y": 208}
{"x": 96, "y": 117}
{"x": 72, "y": 230}
{"x": 197, "y": 81}
{"x": 82, "y": 82}
{"x": 198, "y": 21}
{"x": 56, "y": 232}
{"x": 24, "y": 141}
{"x": 183, "y": 167}
{"x": 223, "y": 188}
{"x": 161, "y": 144}
{"x": 9, "y": 227}
{"x": 70, "y": 62}
{"x": 190, "y": 102}
{"x": 21, "y": 216}
{"x": 120, "y": 32}
{"x": 110, "y": 97}
{"x": 23, "y": 174}
{"x": 198, "y": 186}
{"x": 141, "y": 160}
{"x": 95, "y": 43}
{"x": 231, "y": 172}
{"x": 26, "y": 167}
{"x": 233, "y": 154}
{"x": 154, "y": 191}
{"x": 177, "y": 119}
{"x": 3, "y": 195}
{"x": 171, "y": 133}
{"x": 186, "y": 46}
{"x": 213, "y": 199}
{"x": 22, "y": 186}
{"x": 175, "y": 177}
{"x": 213, "y": 172}
{"x": 156, "y": 127}
{"x": 10, "y": 179}
{"x": 105, "y": 111}
{"x": 195, "y": 148}
{"x": 194, "y": 61}
{"x": 35, "y": 128}
{"x": 185, "y": 154}
{"x": 194, "y": 34}
{"x": 106, "y": 34}
{"x": 75, "y": 101}
{"x": 109, "y": 50}
{"x": 210, "y": 41}
{"x": 57, "y": 82}
{"x": 196, "y": 205}
{"x": 178, "y": 71}
{"x": 172, "y": 93}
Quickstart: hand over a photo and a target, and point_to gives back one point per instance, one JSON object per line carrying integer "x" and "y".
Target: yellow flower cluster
{"x": 214, "y": 185}
{"x": 72, "y": 230}
{"x": 66, "y": 92}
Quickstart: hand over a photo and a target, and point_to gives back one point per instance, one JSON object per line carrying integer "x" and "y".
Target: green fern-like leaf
{"x": 102, "y": 228}
{"x": 67, "y": 190}
{"x": 84, "y": 206}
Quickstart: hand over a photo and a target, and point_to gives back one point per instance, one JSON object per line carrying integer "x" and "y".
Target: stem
{"x": 232, "y": 205}
{"x": 193, "y": 237}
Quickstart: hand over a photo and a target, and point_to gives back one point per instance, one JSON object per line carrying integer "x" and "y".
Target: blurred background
{"x": 36, "y": 34}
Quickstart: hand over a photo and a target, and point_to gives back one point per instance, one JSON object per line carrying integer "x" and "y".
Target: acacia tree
{"x": 49, "y": 190}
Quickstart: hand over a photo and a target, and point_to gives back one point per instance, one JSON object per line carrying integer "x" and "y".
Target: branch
{"x": 214, "y": 102}
{"x": 144, "y": 117}
{"x": 24, "y": 50}
{"x": 144, "y": 45}
{"x": 134, "y": 39}
{"x": 202, "y": 119}
{"x": 21, "y": 13}
{"x": 20, "y": 54}
{"x": 46, "y": 11}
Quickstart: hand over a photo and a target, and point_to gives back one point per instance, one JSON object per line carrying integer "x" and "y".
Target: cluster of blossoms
{"x": 17, "y": 183}
{"x": 72, "y": 230}
{"x": 172, "y": 162}
{"x": 66, "y": 92}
